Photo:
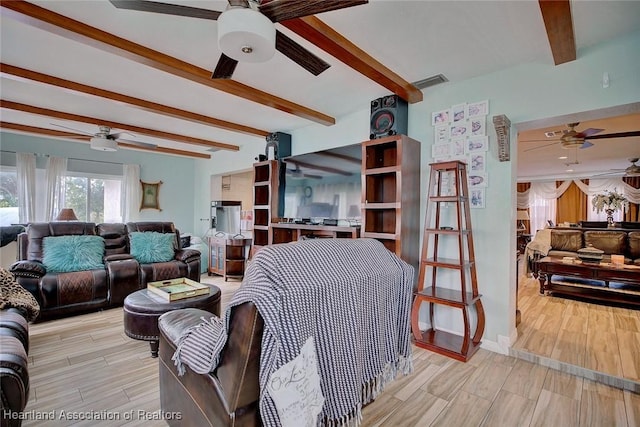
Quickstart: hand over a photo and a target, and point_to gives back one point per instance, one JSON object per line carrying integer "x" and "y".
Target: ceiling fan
{"x": 246, "y": 31}
{"x": 297, "y": 173}
{"x": 573, "y": 139}
{"x": 633, "y": 170}
{"x": 104, "y": 140}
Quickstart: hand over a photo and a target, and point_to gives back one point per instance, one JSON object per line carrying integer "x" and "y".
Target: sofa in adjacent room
{"x": 72, "y": 266}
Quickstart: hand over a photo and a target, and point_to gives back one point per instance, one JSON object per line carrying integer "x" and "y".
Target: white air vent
{"x": 430, "y": 81}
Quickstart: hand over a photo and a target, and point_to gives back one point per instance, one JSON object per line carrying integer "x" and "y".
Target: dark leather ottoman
{"x": 142, "y": 309}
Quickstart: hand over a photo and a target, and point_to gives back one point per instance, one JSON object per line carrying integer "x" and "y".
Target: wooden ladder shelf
{"x": 448, "y": 192}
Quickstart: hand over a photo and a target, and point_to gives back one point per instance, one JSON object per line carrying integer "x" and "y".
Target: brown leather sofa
{"x": 61, "y": 294}
{"x": 227, "y": 397}
{"x": 566, "y": 242}
{"x": 14, "y": 375}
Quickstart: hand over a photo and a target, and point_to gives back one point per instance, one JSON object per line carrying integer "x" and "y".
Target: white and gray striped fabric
{"x": 354, "y": 297}
{"x": 200, "y": 346}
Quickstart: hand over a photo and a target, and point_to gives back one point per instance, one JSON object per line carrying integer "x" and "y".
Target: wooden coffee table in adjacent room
{"x": 142, "y": 309}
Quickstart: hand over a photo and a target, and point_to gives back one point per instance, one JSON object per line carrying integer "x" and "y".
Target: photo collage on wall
{"x": 460, "y": 134}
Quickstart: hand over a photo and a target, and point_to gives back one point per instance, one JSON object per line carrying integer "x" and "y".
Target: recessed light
{"x": 569, "y": 170}
{"x": 562, "y": 158}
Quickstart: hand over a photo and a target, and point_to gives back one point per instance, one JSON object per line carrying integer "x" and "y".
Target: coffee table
{"x": 604, "y": 281}
{"x": 142, "y": 309}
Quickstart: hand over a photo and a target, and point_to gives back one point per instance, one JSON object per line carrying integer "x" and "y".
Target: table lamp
{"x": 66, "y": 214}
{"x": 522, "y": 216}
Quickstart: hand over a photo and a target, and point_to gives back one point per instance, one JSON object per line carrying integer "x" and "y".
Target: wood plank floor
{"x": 85, "y": 365}
{"x": 592, "y": 336}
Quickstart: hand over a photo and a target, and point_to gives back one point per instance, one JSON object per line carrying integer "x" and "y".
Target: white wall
{"x": 523, "y": 93}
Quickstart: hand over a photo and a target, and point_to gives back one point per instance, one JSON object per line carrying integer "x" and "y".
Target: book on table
{"x": 176, "y": 289}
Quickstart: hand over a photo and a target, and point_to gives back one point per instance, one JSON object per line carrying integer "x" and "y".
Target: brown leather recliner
{"x": 186, "y": 262}
{"x": 229, "y": 395}
{"x": 61, "y": 293}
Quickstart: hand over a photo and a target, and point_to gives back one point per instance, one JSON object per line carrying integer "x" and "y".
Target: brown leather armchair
{"x": 186, "y": 262}
{"x": 229, "y": 395}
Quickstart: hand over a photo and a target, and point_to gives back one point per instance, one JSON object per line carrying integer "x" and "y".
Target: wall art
{"x": 440, "y": 117}
{"x": 477, "y": 198}
{"x": 478, "y": 109}
{"x": 150, "y": 195}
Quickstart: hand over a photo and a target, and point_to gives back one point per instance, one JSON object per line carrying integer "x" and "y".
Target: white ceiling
{"x": 416, "y": 39}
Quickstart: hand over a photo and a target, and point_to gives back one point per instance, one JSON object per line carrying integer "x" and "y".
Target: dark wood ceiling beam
{"x": 559, "y": 25}
{"x": 61, "y": 25}
{"x": 99, "y": 122}
{"x": 84, "y": 138}
{"x": 18, "y": 73}
{"x": 335, "y": 44}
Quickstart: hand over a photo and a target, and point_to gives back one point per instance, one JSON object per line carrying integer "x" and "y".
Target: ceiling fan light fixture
{"x": 103, "y": 144}
{"x": 246, "y": 35}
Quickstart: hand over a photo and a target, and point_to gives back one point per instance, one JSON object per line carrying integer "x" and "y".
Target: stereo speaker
{"x": 389, "y": 116}
{"x": 278, "y": 146}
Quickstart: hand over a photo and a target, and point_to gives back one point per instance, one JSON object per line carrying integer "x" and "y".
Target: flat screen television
{"x": 324, "y": 185}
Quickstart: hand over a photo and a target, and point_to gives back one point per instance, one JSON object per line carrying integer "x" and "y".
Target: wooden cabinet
{"x": 447, "y": 266}
{"x": 267, "y": 199}
{"x": 286, "y": 232}
{"x": 391, "y": 194}
{"x": 227, "y": 256}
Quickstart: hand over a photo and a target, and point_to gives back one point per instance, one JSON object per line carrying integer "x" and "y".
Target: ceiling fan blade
{"x": 75, "y": 130}
{"x": 300, "y": 55}
{"x": 137, "y": 143}
{"x": 617, "y": 135}
{"x": 541, "y": 146}
{"x": 166, "y": 8}
{"x": 225, "y": 67}
{"x": 306, "y": 175}
{"x": 586, "y": 144}
{"x": 119, "y": 135}
{"x": 589, "y": 132}
{"x": 282, "y": 10}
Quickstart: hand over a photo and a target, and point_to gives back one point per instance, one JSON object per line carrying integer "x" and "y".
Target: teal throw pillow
{"x": 63, "y": 254}
{"x": 151, "y": 246}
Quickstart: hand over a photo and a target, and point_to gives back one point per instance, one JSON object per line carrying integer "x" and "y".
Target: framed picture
{"x": 477, "y": 180}
{"x": 439, "y": 151}
{"x": 478, "y": 109}
{"x": 440, "y": 117}
{"x": 477, "y": 126}
{"x": 477, "y": 198}
{"x": 442, "y": 134}
{"x": 459, "y": 113}
{"x": 457, "y": 147}
{"x": 477, "y": 144}
{"x": 477, "y": 162}
{"x": 150, "y": 195}
{"x": 458, "y": 130}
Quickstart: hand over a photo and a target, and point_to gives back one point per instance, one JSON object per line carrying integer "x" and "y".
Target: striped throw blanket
{"x": 353, "y": 296}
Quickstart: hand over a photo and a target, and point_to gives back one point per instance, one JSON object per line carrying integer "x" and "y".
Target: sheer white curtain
{"x": 543, "y": 202}
{"x": 55, "y": 173}
{"x": 26, "y": 171}
{"x": 131, "y": 192}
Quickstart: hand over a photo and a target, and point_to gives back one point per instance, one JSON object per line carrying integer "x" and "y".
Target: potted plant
{"x": 610, "y": 202}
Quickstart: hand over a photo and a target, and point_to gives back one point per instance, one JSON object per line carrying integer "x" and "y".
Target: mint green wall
{"x": 523, "y": 93}
{"x": 176, "y": 192}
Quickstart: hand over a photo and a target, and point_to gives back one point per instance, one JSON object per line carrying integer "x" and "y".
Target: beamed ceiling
{"x": 68, "y": 67}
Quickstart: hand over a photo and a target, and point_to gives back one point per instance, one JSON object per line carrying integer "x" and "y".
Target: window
{"x": 8, "y": 197}
{"x": 94, "y": 199}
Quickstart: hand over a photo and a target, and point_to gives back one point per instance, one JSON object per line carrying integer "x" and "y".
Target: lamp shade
{"x": 246, "y": 35}
{"x": 523, "y": 216}
{"x": 66, "y": 214}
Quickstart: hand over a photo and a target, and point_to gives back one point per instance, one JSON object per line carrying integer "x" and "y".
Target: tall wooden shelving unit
{"x": 266, "y": 200}
{"x": 391, "y": 194}
{"x": 448, "y": 192}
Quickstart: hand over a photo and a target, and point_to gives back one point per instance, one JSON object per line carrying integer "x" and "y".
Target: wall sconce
{"x": 503, "y": 129}
{"x": 66, "y": 214}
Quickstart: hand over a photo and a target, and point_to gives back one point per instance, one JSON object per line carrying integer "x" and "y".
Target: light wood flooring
{"x": 595, "y": 337}
{"x": 86, "y": 365}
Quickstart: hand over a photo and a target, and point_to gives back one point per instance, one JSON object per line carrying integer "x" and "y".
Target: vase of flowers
{"x": 610, "y": 202}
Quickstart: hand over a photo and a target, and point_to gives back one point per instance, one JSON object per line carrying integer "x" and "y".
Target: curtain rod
{"x": 68, "y": 158}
